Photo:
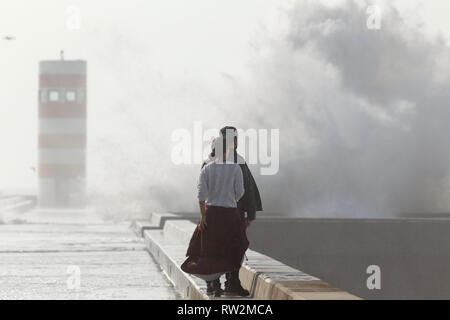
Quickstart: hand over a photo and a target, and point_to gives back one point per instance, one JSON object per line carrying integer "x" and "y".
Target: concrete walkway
{"x": 42, "y": 261}
{"x": 167, "y": 236}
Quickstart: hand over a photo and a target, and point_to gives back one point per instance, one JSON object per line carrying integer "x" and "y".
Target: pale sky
{"x": 198, "y": 37}
{"x": 195, "y": 39}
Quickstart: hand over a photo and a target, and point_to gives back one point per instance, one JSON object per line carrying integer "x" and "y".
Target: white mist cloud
{"x": 373, "y": 105}
{"x": 362, "y": 114}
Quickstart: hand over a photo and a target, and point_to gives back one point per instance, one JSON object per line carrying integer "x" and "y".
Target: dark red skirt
{"x": 221, "y": 247}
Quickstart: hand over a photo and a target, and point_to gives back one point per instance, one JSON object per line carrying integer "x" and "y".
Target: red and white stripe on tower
{"x": 62, "y": 133}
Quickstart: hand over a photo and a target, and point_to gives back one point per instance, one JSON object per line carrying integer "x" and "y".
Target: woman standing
{"x": 219, "y": 242}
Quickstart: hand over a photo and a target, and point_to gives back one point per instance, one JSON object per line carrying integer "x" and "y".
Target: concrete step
{"x": 181, "y": 230}
{"x": 170, "y": 254}
{"x": 157, "y": 221}
{"x": 140, "y": 226}
{"x": 264, "y": 277}
{"x": 159, "y": 218}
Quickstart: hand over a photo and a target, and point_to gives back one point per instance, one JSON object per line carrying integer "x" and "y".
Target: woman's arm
{"x": 203, "y": 218}
{"x": 202, "y": 196}
{"x": 239, "y": 189}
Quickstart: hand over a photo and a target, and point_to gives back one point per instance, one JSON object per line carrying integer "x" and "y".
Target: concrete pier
{"x": 413, "y": 254}
{"x": 42, "y": 261}
{"x": 167, "y": 237}
{"x": 289, "y": 258}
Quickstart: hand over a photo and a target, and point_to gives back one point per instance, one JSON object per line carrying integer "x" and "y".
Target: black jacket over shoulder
{"x": 251, "y": 200}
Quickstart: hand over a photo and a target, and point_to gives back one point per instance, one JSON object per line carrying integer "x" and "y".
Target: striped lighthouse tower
{"x": 62, "y": 133}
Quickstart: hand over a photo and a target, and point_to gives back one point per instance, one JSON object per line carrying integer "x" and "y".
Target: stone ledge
{"x": 264, "y": 277}
{"x": 169, "y": 253}
{"x": 139, "y": 227}
{"x": 157, "y": 221}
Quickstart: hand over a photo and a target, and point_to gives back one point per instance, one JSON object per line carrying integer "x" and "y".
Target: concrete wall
{"x": 167, "y": 236}
{"x": 413, "y": 254}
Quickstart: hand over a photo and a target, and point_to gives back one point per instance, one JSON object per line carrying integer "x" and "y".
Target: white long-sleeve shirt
{"x": 221, "y": 184}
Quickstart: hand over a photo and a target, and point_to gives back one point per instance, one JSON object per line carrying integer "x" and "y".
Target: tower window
{"x": 53, "y": 95}
{"x": 71, "y": 95}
